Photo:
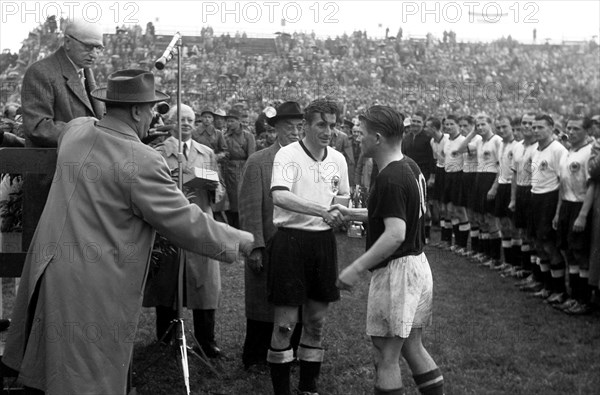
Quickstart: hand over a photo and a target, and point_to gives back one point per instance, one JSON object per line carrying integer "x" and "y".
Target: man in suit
{"x": 57, "y": 88}
{"x": 82, "y": 284}
{"x": 202, "y": 274}
{"x": 55, "y": 91}
{"x": 256, "y": 216}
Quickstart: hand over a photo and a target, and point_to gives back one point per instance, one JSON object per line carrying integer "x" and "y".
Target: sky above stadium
{"x": 470, "y": 20}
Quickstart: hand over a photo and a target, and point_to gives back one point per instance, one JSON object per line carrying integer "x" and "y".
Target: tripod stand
{"x": 176, "y": 329}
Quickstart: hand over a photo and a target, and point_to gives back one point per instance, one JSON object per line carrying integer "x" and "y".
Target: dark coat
{"x": 256, "y": 217}
{"x": 52, "y": 95}
{"x": 594, "y": 169}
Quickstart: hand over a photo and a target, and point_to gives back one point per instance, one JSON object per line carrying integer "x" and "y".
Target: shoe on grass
{"x": 567, "y": 304}
{"x": 542, "y": 293}
{"x": 556, "y": 298}
{"x": 580, "y": 309}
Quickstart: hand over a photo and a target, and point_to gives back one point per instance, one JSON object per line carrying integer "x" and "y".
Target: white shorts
{"x": 400, "y": 297}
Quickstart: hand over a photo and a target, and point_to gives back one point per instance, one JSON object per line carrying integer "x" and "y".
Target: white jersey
{"x": 438, "y": 150}
{"x": 453, "y": 159}
{"x": 295, "y": 170}
{"x": 574, "y": 174}
{"x": 521, "y": 164}
{"x": 470, "y": 157}
{"x": 545, "y": 168}
{"x": 488, "y": 155}
{"x": 507, "y": 151}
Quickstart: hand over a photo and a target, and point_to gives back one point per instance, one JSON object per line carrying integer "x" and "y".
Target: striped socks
{"x": 430, "y": 383}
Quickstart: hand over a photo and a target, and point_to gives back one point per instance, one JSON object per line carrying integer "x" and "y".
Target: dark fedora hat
{"x": 234, "y": 113}
{"x": 130, "y": 86}
{"x": 287, "y": 110}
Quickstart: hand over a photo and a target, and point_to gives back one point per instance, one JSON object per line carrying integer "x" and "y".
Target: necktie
{"x": 81, "y": 77}
{"x": 185, "y": 150}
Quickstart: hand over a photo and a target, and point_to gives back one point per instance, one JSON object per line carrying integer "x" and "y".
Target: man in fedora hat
{"x": 256, "y": 216}
{"x": 82, "y": 284}
{"x": 240, "y": 145}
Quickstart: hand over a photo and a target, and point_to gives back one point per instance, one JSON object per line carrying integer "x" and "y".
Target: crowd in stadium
{"x": 506, "y": 135}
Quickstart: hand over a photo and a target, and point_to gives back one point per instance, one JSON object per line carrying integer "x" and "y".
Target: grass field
{"x": 487, "y": 337}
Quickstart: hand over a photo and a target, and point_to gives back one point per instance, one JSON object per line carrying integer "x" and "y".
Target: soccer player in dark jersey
{"x": 400, "y": 293}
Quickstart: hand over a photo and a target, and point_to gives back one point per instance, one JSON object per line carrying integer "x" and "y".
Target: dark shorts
{"x": 303, "y": 265}
{"x": 522, "y": 216}
{"x": 567, "y": 239}
{"x": 543, "y": 209}
{"x": 483, "y": 184}
{"x": 502, "y": 201}
{"x": 467, "y": 196}
{"x": 438, "y": 186}
{"x": 453, "y": 188}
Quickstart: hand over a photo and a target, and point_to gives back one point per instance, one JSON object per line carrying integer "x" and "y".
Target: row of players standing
{"x": 526, "y": 204}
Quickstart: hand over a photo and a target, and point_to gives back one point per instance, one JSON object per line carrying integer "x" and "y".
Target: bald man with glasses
{"x": 57, "y": 88}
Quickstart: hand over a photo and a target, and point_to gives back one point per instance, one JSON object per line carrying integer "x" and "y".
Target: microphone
{"x": 163, "y": 107}
{"x": 168, "y": 54}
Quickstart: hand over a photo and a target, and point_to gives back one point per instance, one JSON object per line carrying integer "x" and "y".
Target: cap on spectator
{"x": 287, "y": 110}
{"x": 219, "y": 112}
{"x": 207, "y": 110}
{"x": 234, "y": 113}
{"x": 348, "y": 123}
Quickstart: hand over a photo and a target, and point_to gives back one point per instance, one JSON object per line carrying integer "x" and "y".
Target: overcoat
{"x": 202, "y": 274}
{"x": 256, "y": 217}
{"x": 240, "y": 147}
{"x": 52, "y": 95}
{"x": 78, "y": 304}
{"x": 594, "y": 168}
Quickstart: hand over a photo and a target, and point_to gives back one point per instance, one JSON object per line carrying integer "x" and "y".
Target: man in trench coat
{"x": 78, "y": 305}
{"x": 202, "y": 274}
{"x": 256, "y": 217}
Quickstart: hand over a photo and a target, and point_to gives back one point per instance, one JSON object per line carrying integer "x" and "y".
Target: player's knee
{"x": 312, "y": 331}
{"x": 282, "y": 334}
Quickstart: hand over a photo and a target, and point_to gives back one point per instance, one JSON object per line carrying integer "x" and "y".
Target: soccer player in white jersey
{"x": 453, "y": 164}
{"x": 437, "y": 180}
{"x": 571, "y": 219}
{"x": 466, "y": 124}
{"x": 520, "y": 205}
{"x": 503, "y": 184}
{"x": 488, "y": 154}
{"x": 307, "y": 175}
{"x": 544, "y": 200}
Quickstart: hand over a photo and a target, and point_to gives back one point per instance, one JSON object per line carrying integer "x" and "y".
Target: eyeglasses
{"x": 88, "y": 47}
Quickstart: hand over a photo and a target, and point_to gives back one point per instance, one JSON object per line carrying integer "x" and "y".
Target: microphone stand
{"x": 177, "y": 325}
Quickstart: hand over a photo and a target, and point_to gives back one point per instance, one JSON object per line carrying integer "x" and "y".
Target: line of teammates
{"x": 520, "y": 194}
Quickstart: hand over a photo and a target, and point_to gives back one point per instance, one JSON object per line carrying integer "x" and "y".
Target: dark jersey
{"x": 418, "y": 148}
{"x": 399, "y": 191}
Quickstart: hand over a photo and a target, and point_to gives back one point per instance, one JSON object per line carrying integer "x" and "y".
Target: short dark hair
{"x": 435, "y": 122}
{"x": 384, "y": 120}
{"x": 545, "y": 117}
{"x": 451, "y": 117}
{"x": 588, "y": 122}
{"x": 321, "y": 106}
{"x": 469, "y": 119}
{"x": 420, "y": 114}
